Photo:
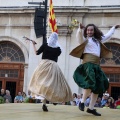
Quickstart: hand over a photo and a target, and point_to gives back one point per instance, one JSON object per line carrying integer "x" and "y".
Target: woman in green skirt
{"x": 89, "y": 75}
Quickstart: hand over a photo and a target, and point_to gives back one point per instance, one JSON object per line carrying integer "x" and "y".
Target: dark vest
{"x": 78, "y": 51}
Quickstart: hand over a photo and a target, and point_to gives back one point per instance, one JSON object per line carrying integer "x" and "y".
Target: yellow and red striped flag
{"x": 52, "y": 20}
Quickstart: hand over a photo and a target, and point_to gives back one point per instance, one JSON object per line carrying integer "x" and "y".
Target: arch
{"x": 10, "y": 52}
{"x": 19, "y": 44}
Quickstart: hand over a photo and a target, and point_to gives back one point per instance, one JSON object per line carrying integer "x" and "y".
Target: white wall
{"x": 5, "y": 3}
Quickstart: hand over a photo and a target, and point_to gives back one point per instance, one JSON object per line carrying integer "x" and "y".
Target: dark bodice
{"x": 49, "y": 52}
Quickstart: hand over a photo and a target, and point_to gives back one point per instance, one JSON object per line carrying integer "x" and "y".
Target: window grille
{"x": 9, "y": 52}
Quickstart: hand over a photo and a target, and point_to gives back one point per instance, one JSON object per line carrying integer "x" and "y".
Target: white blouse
{"x": 93, "y": 47}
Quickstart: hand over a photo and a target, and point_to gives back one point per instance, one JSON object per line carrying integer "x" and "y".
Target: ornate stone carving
{"x": 6, "y": 59}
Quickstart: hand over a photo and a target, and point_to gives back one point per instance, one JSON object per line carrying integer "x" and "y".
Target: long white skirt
{"x": 49, "y": 82}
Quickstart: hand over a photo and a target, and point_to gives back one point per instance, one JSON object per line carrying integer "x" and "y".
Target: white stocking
{"x": 86, "y": 93}
{"x": 44, "y": 101}
{"x": 93, "y": 100}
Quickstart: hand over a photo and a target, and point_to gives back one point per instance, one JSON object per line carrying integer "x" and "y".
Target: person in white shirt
{"x": 78, "y": 100}
{"x": 89, "y": 75}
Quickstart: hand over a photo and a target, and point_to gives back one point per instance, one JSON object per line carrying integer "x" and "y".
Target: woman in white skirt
{"x": 48, "y": 80}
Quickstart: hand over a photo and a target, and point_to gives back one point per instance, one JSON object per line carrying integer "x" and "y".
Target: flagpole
{"x": 44, "y": 36}
{"x": 48, "y": 28}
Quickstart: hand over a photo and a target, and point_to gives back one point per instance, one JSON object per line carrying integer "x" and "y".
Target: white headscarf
{"x": 53, "y": 41}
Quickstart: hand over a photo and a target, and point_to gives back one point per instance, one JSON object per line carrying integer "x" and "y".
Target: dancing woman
{"x": 48, "y": 80}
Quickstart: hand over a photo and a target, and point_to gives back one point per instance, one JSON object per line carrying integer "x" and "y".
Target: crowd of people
{"x": 5, "y": 96}
{"x": 21, "y": 97}
{"x": 106, "y": 101}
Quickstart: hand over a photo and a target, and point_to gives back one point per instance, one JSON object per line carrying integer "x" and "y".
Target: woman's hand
{"x": 33, "y": 42}
{"x": 26, "y": 38}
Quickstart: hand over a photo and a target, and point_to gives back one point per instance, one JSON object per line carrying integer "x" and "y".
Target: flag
{"x": 52, "y": 20}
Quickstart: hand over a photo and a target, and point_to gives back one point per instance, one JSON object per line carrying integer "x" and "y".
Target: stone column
{"x": 25, "y": 85}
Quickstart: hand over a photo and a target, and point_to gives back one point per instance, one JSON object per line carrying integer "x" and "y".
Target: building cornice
{"x": 62, "y": 9}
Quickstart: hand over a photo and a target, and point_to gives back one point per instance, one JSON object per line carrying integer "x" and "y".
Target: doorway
{"x": 11, "y": 86}
{"x": 12, "y": 77}
{"x": 115, "y": 92}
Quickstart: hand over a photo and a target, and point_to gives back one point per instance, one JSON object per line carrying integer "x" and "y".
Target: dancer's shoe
{"x": 81, "y": 106}
{"x": 44, "y": 107}
{"x": 54, "y": 103}
{"x": 94, "y": 112}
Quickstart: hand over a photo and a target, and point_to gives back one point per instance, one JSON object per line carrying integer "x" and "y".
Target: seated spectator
{"x": 104, "y": 100}
{"x": 18, "y": 98}
{"x": 24, "y": 96}
{"x": 109, "y": 103}
{"x": 7, "y": 97}
{"x": 29, "y": 94}
{"x": 98, "y": 102}
{"x": 30, "y": 99}
{"x": 87, "y": 102}
{"x": 2, "y": 93}
{"x": 78, "y": 100}
{"x": 74, "y": 98}
{"x": 106, "y": 93}
{"x": 117, "y": 103}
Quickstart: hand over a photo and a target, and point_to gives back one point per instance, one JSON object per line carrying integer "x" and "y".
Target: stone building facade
{"x": 17, "y": 58}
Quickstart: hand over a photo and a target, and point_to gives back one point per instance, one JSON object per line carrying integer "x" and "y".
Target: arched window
{"x": 10, "y": 52}
{"x": 115, "y": 48}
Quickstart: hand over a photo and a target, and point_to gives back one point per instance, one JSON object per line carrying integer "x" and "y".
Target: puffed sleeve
{"x": 108, "y": 36}
{"x": 79, "y": 36}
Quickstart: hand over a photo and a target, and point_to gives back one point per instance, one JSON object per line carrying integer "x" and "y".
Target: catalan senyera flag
{"x": 52, "y": 20}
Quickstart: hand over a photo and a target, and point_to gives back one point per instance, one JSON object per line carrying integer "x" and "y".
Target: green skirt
{"x": 90, "y": 76}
